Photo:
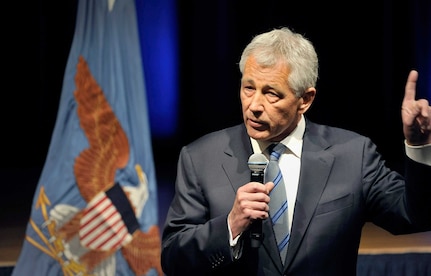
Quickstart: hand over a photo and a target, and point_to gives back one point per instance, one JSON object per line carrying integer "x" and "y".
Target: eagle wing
{"x": 108, "y": 149}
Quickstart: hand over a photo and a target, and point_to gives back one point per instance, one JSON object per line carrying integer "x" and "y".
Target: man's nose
{"x": 257, "y": 102}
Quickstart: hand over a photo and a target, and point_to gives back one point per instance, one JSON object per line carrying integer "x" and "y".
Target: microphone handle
{"x": 256, "y": 235}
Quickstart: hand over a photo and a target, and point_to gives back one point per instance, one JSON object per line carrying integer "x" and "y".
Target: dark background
{"x": 366, "y": 49}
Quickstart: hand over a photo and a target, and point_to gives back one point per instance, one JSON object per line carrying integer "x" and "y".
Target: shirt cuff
{"x": 236, "y": 248}
{"x": 232, "y": 241}
{"x": 420, "y": 154}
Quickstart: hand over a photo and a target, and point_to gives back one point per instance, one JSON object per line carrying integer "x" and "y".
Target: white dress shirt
{"x": 289, "y": 163}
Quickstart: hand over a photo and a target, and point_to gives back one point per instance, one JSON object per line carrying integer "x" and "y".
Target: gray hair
{"x": 294, "y": 49}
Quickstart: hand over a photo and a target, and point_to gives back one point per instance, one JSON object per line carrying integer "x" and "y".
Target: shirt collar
{"x": 293, "y": 141}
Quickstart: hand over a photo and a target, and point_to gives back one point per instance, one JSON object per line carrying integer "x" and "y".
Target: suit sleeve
{"x": 193, "y": 243}
{"x": 400, "y": 204}
{"x": 418, "y": 193}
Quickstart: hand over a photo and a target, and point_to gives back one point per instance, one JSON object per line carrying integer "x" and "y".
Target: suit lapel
{"x": 237, "y": 153}
{"x": 316, "y": 164}
{"x": 270, "y": 244}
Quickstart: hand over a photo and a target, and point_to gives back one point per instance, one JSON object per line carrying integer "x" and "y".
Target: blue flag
{"x": 94, "y": 210}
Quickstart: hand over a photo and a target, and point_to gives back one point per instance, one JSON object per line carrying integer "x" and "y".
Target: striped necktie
{"x": 278, "y": 202}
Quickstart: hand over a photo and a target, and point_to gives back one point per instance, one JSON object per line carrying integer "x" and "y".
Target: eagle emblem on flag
{"x": 85, "y": 241}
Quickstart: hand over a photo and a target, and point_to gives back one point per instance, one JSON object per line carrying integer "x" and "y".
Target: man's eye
{"x": 272, "y": 95}
{"x": 249, "y": 89}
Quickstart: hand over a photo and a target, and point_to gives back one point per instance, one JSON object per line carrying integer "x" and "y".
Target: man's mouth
{"x": 256, "y": 124}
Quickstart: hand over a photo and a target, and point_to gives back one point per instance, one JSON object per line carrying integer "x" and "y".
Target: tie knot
{"x": 276, "y": 150}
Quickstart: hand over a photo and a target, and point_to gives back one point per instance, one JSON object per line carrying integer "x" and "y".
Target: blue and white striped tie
{"x": 278, "y": 202}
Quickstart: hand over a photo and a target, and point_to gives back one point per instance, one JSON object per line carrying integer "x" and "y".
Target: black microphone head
{"x": 257, "y": 162}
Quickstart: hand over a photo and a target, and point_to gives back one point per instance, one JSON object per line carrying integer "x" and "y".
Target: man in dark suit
{"x": 335, "y": 179}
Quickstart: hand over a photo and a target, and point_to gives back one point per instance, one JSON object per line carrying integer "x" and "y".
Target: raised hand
{"x": 416, "y": 114}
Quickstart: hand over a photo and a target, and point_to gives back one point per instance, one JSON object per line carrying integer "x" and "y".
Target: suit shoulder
{"x": 333, "y": 133}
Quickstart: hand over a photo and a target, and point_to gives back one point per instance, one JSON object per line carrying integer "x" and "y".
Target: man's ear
{"x": 307, "y": 99}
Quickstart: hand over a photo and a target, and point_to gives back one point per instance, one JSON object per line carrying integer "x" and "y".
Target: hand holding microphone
{"x": 251, "y": 202}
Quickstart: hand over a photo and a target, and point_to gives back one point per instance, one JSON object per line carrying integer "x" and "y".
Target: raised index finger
{"x": 410, "y": 90}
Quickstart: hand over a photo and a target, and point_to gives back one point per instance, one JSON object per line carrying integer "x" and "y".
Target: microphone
{"x": 257, "y": 163}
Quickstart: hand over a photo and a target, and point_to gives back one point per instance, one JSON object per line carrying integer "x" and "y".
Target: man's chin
{"x": 257, "y": 134}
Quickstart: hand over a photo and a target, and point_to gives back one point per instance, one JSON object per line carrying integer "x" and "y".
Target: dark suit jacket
{"x": 343, "y": 183}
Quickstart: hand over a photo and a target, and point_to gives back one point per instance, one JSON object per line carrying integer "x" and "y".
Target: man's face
{"x": 270, "y": 109}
